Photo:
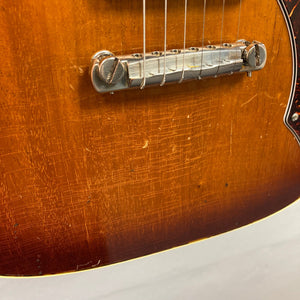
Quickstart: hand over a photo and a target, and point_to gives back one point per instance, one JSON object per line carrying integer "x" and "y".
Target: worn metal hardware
{"x": 110, "y": 73}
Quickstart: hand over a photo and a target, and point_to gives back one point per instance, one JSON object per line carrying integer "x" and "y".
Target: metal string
{"x": 221, "y": 38}
{"x": 239, "y": 21}
{"x": 184, "y": 40}
{"x": 223, "y": 9}
{"x": 203, "y": 30}
{"x": 165, "y": 43}
{"x": 238, "y": 31}
{"x": 144, "y": 46}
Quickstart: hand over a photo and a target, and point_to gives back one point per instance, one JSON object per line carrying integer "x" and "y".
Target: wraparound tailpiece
{"x": 110, "y": 73}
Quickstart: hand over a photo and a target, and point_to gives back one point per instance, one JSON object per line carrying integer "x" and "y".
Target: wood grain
{"x": 88, "y": 180}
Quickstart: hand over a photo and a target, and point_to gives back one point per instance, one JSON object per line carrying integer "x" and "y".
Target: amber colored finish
{"x": 90, "y": 179}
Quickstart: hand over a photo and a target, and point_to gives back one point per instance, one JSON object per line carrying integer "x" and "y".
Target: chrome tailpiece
{"x": 110, "y": 73}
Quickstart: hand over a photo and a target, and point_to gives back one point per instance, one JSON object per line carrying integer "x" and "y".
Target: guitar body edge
{"x": 89, "y": 179}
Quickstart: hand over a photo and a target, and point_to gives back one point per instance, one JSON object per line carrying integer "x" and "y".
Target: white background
{"x": 259, "y": 261}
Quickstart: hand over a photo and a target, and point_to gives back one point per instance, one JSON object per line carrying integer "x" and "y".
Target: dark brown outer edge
{"x": 293, "y": 9}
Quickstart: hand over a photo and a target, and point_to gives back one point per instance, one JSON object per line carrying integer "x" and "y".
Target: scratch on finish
{"x": 230, "y": 143}
{"x": 292, "y": 11}
{"x": 85, "y": 226}
{"x": 268, "y": 95}
{"x": 83, "y": 265}
{"x": 146, "y": 144}
{"x": 97, "y": 264}
{"x": 80, "y": 70}
{"x": 250, "y": 98}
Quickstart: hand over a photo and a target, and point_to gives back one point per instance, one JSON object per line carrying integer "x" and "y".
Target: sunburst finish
{"x": 90, "y": 179}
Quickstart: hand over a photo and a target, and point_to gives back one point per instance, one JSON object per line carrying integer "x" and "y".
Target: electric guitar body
{"x": 89, "y": 179}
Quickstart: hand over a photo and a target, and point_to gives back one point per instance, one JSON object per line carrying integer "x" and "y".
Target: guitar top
{"x": 111, "y": 156}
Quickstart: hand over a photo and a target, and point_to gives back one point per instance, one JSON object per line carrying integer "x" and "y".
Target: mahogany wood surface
{"x": 90, "y": 179}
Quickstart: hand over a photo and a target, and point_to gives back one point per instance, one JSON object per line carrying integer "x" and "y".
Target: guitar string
{"x": 203, "y": 31}
{"x": 221, "y": 38}
{"x": 238, "y": 31}
{"x": 239, "y": 21}
{"x": 165, "y": 43}
{"x": 165, "y": 38}
{"x": 144, "y": 46}
{"x": 184, "y": 40}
